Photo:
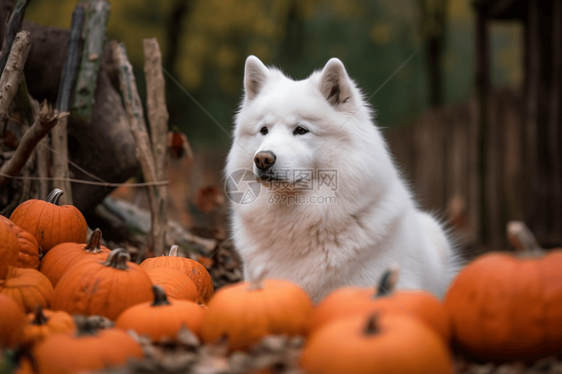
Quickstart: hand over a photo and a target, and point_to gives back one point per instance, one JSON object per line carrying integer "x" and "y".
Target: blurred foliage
{"x": 372, "y": 38}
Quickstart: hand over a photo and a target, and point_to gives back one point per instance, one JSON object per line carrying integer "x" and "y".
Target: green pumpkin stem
{"x": 40, "y": 318}
{"x": 94, "y": 245}
{"x": 258, "y": 275}
{"x": 54, "y": 196}
{"x": 388, "y": 281}
{"x": 159, "y": 296}
{"x": 173, "y": 251}
{"x": 118, "y": 259}
{"x": 372, "y": 326}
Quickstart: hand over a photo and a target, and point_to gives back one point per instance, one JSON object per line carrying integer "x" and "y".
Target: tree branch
{"x": 11, "y": 75}
{"x": 48, "y": 118}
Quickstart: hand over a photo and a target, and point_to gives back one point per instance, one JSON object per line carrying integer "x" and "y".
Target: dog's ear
{"x": 255, "y": 75}
{"x": 335, "y": 84}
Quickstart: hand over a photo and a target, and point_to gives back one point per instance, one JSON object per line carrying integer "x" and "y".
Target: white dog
{"x": 358, "y": 218}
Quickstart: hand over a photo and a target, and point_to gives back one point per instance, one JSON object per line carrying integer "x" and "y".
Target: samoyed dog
{"x": 331, "y": 209}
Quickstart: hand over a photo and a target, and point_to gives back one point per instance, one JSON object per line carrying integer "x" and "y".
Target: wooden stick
{"x": 158, "y": 118}
{"x": 14, "y": 27}
{"x": 97, "y": 14}
{"x": 59, "y": 137}
{"x": 11, "y": 75}
{"x": 48, "y": 118}
{"x": 135, "y": 115}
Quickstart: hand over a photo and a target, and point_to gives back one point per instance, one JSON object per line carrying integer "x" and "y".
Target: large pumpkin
{"x": 247, "y": 311}
{"x": 383, "y": 299}
{"x": 162, "y": 319}
{"x": 61, "y": 257}
{"x": 193, "y": 269}
{"x": 9, "y": 249}
{"x": 103, "y": 288}
{"x": 12, "y": 322}
{"x": 372, "y": 344}
{"x": 49, "y": 223}
{"x": 28, "y": 288}
{"x": 43, "y": 323}
{"x": 505, "y": 308}
{"x": 28, "y": 256}
{"x": 176, "y": 284}
{"x": 70, "y": 354}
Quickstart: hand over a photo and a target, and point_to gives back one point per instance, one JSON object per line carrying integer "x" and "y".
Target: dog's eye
{"x": 299, "y": 130}
{"x": 264, "y": 130}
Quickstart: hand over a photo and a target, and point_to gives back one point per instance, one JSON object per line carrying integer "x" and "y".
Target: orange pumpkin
{"x": 247, "y": 311}
{"x": 28, "y": 288}
{"x": 49, "y": 223}
{"x": 194, "y": 270}
{"x": 103, "y": 288}
{"x": 29, "y": 250}
{"x": 9, "y": 249}
{"x": 61, "y": 257}
{"x": 176, "y": 284}
{"x": 505, "y": 308}
{"x": 69, "y": 354}
{"x": 372, "y": 344}
{"x": 162, "y": 319}
{"x": 44, "y": 323}
{"x": 349, "y": 301}
{"x": 12, "y": 322}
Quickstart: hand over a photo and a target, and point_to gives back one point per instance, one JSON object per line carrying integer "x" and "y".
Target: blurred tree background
{"x": 205, "y": 43}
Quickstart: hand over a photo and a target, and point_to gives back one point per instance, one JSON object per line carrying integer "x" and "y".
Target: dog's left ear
{"x": 335, "y": 84}
{"x": 255, "y": 75}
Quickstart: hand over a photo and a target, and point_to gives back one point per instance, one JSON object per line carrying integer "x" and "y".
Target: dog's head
{"x": 285, "y": 125}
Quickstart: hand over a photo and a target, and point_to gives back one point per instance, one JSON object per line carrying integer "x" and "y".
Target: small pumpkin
{"x": 162, "y": 319}
{"x": 49, "y": 223}
{"x": 247, "y": 311}
{"x": 28, "y": 288}
{"x": 193, "y": 269}
{"x": 383, "y": 299}
{"x": 104, "y": 288}
{"x": 376, "y": 344}
{"x": 70, "y": 353}
{"x": 62, "y": 256}
{"x": 505, "y": 308}
{"x": 176, "y": 284}
{"x": 44, "y": 322}
{"x": 28, "y": 256}
{"x": 12, "y": 322}
{"x": 9, "y": 249}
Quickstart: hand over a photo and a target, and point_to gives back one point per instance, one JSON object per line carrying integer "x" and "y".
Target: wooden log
{"x": 97, "y": 15}
{"x": 135, "y": 115}
{"x": 48, "y": 118}
{"x": 14, "y": 27}
{"x": 59, "y": 137}
{"x": 158, "y": 119}
{"x": 11, "y": 75}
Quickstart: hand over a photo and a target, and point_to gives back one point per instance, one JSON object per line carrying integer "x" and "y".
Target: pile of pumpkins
{"x": 499, "y": 307}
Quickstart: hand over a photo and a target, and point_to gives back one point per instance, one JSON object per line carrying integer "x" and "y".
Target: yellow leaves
{"x": 380, "y": 33}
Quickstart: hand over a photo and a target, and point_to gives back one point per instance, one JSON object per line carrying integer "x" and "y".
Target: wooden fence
{"x": 440, "y": 156}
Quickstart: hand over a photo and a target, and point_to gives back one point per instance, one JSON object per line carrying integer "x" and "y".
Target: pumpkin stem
{"x": 159, "y": 296}
{"x": 372, "y": 326}
{"x": 522, "y": 238}
{"x": 388, "y": 281}
{"x": 118, "y": 259}
{"x": 94, "y": 245}
{"x": 54, "y": 196}
{"x": 174, "y": 251}
{"x": 257, "y": 277}
{"x": 40, "y": 318}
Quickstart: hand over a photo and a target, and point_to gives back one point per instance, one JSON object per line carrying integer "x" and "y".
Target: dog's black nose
{"x": 264, "y": 160}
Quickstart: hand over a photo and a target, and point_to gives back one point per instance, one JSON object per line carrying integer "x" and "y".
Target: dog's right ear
{"x": 255, "y": 75}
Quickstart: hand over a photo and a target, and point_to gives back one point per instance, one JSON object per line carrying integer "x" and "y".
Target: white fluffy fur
{"x": 375, "y": 222}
